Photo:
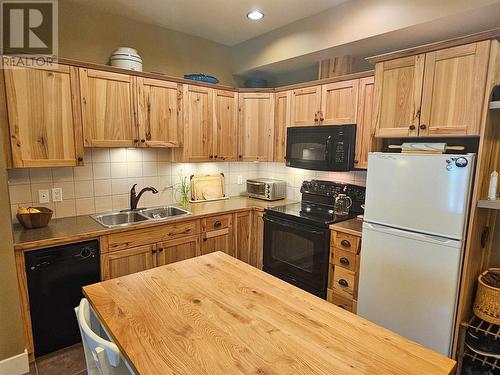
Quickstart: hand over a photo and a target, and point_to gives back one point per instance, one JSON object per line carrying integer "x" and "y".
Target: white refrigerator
{"x": 412, "y": 246}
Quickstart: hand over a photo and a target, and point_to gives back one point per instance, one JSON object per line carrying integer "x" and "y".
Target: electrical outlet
{"x": 57, "y": 194}
{"x": 43, "y": 196}
{"x": 240, "y": 180}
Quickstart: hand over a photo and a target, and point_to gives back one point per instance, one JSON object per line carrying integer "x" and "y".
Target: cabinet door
{"x": 339, "y": 103}
{"x": 256, "y": 126}
{"x": 108, "y": 109}
{"x": 242, "y": 235}
{"x": 198, "y": 105}
{"x": 177, "y": 250}
{"x": 397, "y": 96}
{"x": 218, "y": 240}
{"x": 365, "y": 140}
{"x": 226, "y": 128}
{"x": 159, "y": 106}
{"x": 305, "y": 105}
{"x": 44, "y": 116}
{"x": 454, "y": 83}
{"x": 281, "y": 122}
{"x": 135, "y": 259}
{"x": 257, "y": 256}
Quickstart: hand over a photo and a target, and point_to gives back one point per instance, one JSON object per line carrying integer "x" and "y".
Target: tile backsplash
{"x": 104, "y": 182}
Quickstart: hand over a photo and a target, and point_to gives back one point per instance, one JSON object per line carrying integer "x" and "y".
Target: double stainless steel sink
{"x": 130, "y": 217}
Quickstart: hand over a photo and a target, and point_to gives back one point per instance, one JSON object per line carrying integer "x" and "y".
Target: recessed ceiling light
{"x": 255, "y": 15}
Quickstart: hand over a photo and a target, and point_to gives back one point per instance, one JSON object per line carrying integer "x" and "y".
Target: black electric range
{"x": 297, "y": 235}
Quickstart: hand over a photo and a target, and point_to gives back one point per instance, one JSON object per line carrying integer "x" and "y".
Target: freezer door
{"x": 422, "y": 193}
{"x": 408, "y": 283}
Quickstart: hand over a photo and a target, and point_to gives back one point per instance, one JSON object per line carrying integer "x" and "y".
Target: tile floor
{"x": 67, "y": 361}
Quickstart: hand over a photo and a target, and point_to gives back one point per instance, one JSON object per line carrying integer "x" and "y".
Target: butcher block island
{"x": 214, "y": 314}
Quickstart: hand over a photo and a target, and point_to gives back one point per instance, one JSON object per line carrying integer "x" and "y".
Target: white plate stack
{"x": 126, "y": 58}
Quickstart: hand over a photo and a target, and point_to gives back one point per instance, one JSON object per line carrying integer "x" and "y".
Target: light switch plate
{"x": 43, "y": 196}
{"x": 240, "y": 180}
{"x": 57, "y": 194}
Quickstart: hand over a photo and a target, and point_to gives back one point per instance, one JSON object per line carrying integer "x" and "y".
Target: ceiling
{"x": 222, "y": 21}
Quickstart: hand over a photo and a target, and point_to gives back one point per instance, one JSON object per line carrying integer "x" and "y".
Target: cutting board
{"x": 207, "y": 187}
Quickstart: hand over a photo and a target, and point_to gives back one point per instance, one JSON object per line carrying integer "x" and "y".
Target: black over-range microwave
{"x": 321, "y": 148}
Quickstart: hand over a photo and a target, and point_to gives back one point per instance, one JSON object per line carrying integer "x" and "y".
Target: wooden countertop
{"x": 80, "y": 228}
{"x": 216, "y": 314}
{"x": 352, "y": 226}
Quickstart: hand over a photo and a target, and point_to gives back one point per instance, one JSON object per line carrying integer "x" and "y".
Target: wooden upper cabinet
{"x": 226, "y": 126}
{"x": 281, "y": 122}
{"x": 108, "y": 109}
{"x": 160, "y": 115}
{"x": 453, "y": 91}
{"x": 397, "y": 96}
{"x": 44, "y": 116}
{"x": 176, "y": 250}
{"x": 339, "y": 103}
{"x": 365, "y": 141}
{"x": 305, "y": 106}
{"x": 256, "y": 126}
{"x": 198, "y": 103}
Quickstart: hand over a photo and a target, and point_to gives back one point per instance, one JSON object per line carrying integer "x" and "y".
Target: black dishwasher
{"x": 55, "y": 279}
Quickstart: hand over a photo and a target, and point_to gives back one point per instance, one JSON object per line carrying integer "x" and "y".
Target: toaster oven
{"x": 268, "y": 189}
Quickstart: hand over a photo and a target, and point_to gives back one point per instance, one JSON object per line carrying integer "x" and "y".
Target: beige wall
{"x": 415, "y": 21}
{"x": 89, "y": 35}
{"x": 11, "y": 336}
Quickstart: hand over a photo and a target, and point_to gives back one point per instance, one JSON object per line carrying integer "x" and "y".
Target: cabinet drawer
{"x": 345, "y": 241}
{"x": 343, "y": 302}
{"x": 343, "y": 282}
{"x": 345, "y": 259}
{"x": 216, "y": 222}
{"x": 154, "y": 234}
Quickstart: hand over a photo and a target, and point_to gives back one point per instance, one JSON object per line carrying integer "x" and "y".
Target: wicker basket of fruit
{"x": 34, "y": 217}
{"x": 487, "y": 303}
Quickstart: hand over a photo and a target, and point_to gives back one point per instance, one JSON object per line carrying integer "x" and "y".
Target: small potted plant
{"x": 183, "y": 188}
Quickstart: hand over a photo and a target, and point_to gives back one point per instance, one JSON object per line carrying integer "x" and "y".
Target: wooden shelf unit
{"x": 486, "y": 203}
{"x": 495, "y": 104}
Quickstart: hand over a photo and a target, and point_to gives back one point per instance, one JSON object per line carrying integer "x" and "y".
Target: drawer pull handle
{"x": 345, "y": 243}
{"x": 217, "y": 224}
{"x": 344, "y": 283}
{"x": 344, "y": 261}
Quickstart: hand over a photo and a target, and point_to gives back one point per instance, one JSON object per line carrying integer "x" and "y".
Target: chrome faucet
{"x": 134, "y": 197}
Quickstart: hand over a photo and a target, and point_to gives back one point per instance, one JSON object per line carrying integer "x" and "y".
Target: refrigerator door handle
{"x": 414, "y": 235}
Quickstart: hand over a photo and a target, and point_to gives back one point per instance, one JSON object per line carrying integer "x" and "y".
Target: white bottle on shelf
{"x": 492, "y": 190}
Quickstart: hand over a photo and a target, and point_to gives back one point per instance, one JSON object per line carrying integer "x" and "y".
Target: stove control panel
{"x": 325, "y": 192}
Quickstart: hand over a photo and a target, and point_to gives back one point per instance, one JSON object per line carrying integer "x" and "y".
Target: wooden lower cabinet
{"x": 135, "y": 259}
{"x": 343, "y": 275}
{"x": 240, "y": 235}
{"x": 346, "y": 303}
{"x": 177, "y": 250}
{"x": 243, "y": 236}
{"x": 257, "y": 255}
{"x": 218, "y": 240}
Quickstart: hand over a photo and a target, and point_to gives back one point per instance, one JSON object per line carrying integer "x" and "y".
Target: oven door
{"x": 324, "y": 148}
{"x": 297, "y": 253}
{"x": 256, "y": 188}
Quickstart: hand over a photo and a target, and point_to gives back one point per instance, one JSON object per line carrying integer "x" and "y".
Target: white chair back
{"x": 102, "y": 356}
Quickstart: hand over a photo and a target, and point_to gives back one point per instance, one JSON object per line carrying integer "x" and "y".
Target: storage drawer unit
{"x": 344, "y": 269}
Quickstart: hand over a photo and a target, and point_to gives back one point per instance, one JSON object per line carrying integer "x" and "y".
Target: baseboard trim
{"x": 16, "y": 365}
